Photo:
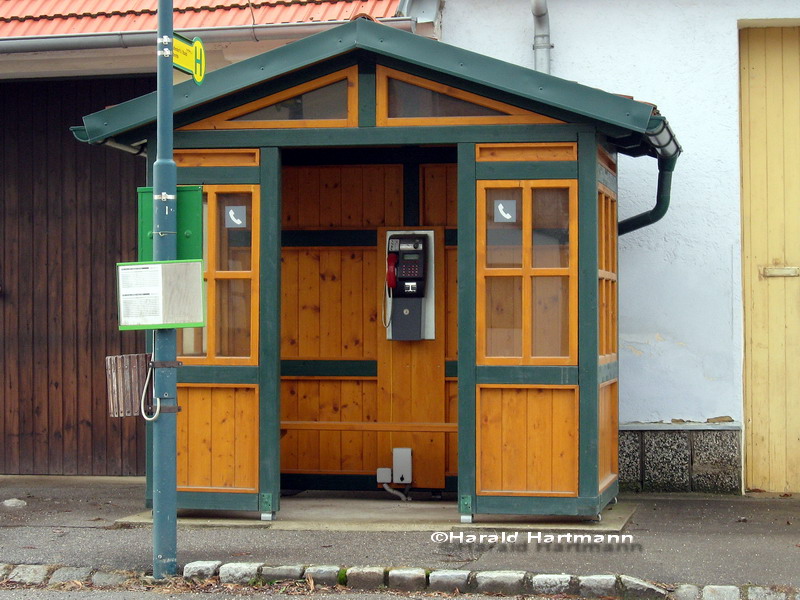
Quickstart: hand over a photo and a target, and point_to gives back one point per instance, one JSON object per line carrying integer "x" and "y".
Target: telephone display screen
{"x": 408, "y": 256}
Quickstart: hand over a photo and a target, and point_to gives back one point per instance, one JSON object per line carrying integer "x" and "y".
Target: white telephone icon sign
{"x": 232, "y": 215}
{"x": 501, "y": 209}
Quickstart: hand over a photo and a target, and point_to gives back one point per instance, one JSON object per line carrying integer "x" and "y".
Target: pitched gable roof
{"x": 618, "y": 116}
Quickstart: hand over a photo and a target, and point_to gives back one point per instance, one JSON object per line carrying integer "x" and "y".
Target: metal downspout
{"x": 541, "y": 36}
{"x": 663, "y": 191}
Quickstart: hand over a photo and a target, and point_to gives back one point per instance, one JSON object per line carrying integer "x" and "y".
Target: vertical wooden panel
{"x": 330, "y": 197}
{"x": 393, "y": 195}
{"x": 198, "y": 426}
{"x": 289, "y": 440}
{"x": 770, "y": 100}
{"x": 451, "y": 303}
{"x": 527, "y": 440}
{"x": 309, "y": 302}
{"x": 374, "y": 192}
{"x": 352, "y": 321}
{"x": 434, "y": 194}
{"x": 352, "y": 197}
{"x": 12, "y": 275}
{"x": 223, "y": 437}
{"x": 290, "y": 320}
{"x": 451, "y": 452}
{"x": 246, "y": 439}
{"x": 565, "y": 441}
{"x": 514, "y": 407}
{"x": 330, "y": 303}
{"x": 540, "y": 439}
{"x": 290, "y": 198}
{"x": 490, "y": 440}
{"x": 352, "y": 443}
{"x": 330, "y": 442}
{"x": 308, "y": 197}
{"x": 308, "y": 410}
{"x": 371, "y": 309}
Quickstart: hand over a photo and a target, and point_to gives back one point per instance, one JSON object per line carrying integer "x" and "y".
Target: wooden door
{"x": 770, "y": 125}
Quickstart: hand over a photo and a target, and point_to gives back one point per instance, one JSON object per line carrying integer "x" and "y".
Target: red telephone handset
{"x": 391, "y": 270}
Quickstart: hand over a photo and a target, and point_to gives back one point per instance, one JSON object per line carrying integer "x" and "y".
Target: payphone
{"x": 408, "y": 301}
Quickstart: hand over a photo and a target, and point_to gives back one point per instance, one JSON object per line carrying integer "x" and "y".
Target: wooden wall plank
{"x": 490, "y": 440}
{"x": 199, "y": 416}
{"x": 38, "y": 274}
{"x": 330, "y": 303}
{"x": 4, "y": 108}
{"x": 246, "y": 436}
{"x": 791, "y": 96}
{"x": 308, "y": 450}
{"x": 54, "y": 400}
{"x": 564, "y": 451}
{"x": 11, "y": 274}
{"x": 223, "y": 437}
{"x": 330, "y": 442}
{"x": 290, "y": 310}
{"x": 290, "y": 198}
{"x": 352, "y": 305}
{"x": 289, "y": 439}
{"x": 352, "y": 197}
{"x": 330, "y": 197}
{"x": 540, "y": 439}
{"x": 309, "y": 302}
{"x": 351, "y": 409}
{"x": 514, "y": 407}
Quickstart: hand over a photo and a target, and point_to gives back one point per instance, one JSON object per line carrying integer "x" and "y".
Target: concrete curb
{"x": 409, "y": 579}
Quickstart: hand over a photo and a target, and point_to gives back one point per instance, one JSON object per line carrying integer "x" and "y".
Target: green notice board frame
{"x": 190, "y": 222}
{"x": 171, "y": 291}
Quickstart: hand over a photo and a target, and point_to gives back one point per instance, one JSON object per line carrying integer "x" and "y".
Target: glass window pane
{"x": 504, "y": 316}
{"x": 192, "y": 341}
{"x": 550, "y": 316}
{"x": 327, "y": 102}
{"x": 408, "y": 100}
{"x": 235, "y": 226}
{"x": 503, "y": 228}
{"x": 233, "y": 317}
{"x": 550, "y": 227}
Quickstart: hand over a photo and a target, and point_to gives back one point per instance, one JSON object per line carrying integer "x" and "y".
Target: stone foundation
{"x": 664, "y": 459}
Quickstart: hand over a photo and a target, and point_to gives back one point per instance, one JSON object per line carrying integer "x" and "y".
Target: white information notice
{"x": 141, "y": 295}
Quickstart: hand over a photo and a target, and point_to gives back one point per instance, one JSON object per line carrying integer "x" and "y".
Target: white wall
{"x": 680, "y": 279}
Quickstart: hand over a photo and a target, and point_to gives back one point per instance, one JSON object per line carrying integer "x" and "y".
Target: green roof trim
{"x": 617, "y": 112}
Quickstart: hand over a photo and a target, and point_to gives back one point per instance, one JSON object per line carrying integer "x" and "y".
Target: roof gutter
{"x": 667, "y": 149}
{"x": 131, "y": 39}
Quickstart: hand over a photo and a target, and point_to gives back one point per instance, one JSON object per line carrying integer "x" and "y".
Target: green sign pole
{"x": 165, "y": 495}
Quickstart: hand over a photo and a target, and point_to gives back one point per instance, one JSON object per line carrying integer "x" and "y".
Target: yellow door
{"x": 770, "y": 105}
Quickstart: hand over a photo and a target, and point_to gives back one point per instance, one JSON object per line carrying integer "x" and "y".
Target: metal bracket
{"x": 265, "y": 502}
{"x": 165, "y": 364}
{"x": 163, "y": 196}
{"x": 465, "y": 504}
{"x": 170, "y": 409}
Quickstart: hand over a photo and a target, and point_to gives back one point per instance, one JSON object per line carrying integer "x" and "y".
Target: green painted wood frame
{"x": 270, "y": 333}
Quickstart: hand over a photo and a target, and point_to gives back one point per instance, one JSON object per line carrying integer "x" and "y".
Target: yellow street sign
{"x": 189, "y": 56}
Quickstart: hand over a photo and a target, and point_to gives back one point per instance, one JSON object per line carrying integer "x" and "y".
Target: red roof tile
{"x": 58, "y": 17}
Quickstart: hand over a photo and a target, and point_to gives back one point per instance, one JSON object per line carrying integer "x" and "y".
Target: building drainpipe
{"x": 667, "y": 149}
{"x": 541, "y": 36}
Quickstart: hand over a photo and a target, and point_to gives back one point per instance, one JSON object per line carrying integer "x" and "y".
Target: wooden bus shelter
{"x": 307, "y": 156}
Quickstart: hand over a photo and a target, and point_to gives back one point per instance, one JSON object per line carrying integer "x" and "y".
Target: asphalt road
{"x": 676, "y": 539}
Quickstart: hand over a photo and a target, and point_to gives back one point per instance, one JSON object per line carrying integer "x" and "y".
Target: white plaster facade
{"x": 681, "y": 313}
